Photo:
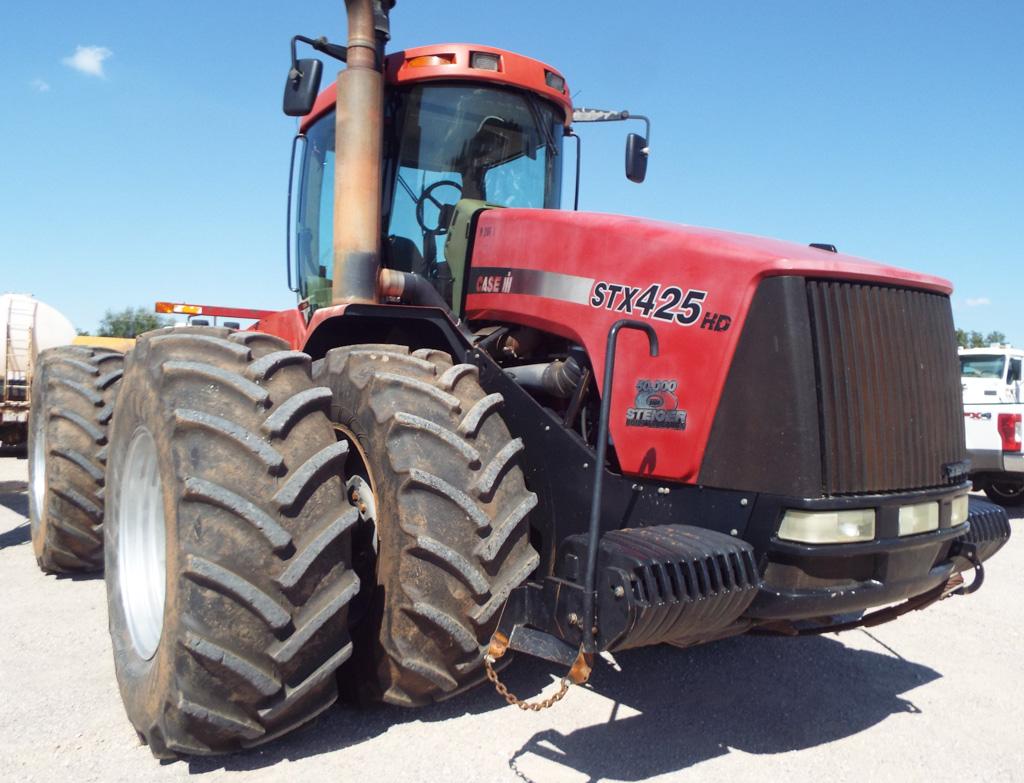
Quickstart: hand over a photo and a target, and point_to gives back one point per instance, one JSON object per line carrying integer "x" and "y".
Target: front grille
{"x": 888, "y": 385}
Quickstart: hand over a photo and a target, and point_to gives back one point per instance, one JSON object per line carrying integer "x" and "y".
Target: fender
{"x": 340, "y": 325}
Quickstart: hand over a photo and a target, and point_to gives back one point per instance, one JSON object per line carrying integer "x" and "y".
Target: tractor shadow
{"x": 755, "y": 694}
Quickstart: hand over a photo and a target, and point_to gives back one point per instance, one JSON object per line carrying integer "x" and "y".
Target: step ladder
{"x": 19, "y": 350}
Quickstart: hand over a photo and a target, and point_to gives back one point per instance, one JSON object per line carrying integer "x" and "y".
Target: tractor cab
{"x": 465, "y": 128}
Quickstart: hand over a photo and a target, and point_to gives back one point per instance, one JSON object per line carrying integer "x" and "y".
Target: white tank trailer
{"x": 27, "y": 326}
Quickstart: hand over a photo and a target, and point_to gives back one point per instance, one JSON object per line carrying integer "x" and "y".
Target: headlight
{"x": 919, "y": 518}
{"x": 959, "y": 510}
{"x": 828, "y": 527}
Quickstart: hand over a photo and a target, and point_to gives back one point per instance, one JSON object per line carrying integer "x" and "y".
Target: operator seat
{"x": 402, "y": 254}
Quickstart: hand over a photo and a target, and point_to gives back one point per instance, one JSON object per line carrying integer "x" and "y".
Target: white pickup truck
{"x": 994, "y": 420}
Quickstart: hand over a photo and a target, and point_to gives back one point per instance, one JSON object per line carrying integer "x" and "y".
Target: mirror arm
{"x": 601, "y": 115}
{"x": 336, "y": 51}
{"x": 321, "y": 44}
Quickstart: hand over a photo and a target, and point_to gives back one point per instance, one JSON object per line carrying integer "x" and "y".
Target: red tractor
{"x": 492, "y": 425}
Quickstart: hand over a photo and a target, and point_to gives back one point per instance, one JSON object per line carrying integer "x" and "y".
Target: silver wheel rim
{"x": 38, "y": 475}
{"x": 142, "y": 544}
{"x": 361, "y": 496}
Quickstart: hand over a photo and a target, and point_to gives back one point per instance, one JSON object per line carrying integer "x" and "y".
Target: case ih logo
{"x": 494, "y": 284}
{"x": 656, "y": 406}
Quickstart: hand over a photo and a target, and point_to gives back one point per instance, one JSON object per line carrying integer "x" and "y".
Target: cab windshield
{"x": 982, "y": 366}
{"x": 443, "y": 143}
{"x": 446, "y": 142}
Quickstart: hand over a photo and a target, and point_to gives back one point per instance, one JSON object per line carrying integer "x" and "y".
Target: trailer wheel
{"x": 73, "y": 394}
{"x": 1005, "y": 493}
{"x": 227, "y": 542}
{"x": 449, "y": 506}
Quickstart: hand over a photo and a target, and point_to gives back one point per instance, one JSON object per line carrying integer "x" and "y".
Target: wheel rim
{"x": 1008, "y": 490}
{"x": 142, "y": 544}
{"x": 38, "y": 474}
{"x": 362, "y": 497}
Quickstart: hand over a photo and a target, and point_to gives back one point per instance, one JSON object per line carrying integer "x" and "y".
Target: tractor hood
{"x": 629, "y": 244}
{"x": 574, "y": 274}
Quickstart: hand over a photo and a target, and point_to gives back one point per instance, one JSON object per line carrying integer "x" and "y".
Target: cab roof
{"x": 455, "y": 62}
{"x": 994, "y": 350}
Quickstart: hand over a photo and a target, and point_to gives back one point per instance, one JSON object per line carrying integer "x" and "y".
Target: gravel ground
{"x": 938, "y": 695}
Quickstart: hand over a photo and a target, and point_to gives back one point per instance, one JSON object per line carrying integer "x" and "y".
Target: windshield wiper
{"x": 408, "y": 190}
{"x": 538, "y": 118}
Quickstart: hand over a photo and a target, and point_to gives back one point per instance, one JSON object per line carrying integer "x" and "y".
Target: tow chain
{"x": 514, "y": 700}
{"x": 578, "y": 673}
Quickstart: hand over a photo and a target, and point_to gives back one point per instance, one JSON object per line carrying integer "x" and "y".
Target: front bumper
{"x": 813, "y": 581}
{"x": 989, "y": 461}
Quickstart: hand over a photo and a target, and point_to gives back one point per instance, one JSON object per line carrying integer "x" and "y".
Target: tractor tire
{"x": 73, "y": 394}
{"x": 227, "y": 542}
{"x": 1006, "y": 493}
{"x": 450, "y": 509}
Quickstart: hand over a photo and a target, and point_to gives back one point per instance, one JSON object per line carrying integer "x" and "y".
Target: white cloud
{"x": 979, "y": 301}
{"x": 39, "y": 85}
{"x": 88, "y": 59}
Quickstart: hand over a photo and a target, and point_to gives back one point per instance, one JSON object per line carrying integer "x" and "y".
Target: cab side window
{"x": 315, "y": 220}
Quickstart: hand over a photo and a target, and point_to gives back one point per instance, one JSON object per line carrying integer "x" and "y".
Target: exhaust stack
{"x": 357, "y": 162}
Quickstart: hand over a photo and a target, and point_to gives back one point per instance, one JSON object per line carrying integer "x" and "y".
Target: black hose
{"x": 417, "y": 290}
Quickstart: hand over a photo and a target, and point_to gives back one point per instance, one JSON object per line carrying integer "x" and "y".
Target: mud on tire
{"x": 451, "y": 515}
{"x": 73, "y": 394}
{"x": 244, "y": 642}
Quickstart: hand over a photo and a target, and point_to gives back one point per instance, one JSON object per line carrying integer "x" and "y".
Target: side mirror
{"x": 636, "y": 157}
{"x": 301, "y": 89}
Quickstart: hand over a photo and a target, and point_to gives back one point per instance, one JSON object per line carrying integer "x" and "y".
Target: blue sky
{"x": 153, "y": 165}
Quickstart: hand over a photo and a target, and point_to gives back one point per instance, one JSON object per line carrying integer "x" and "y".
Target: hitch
{"x": 578, "y": 673}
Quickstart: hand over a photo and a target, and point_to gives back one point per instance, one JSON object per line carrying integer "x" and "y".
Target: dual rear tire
{"x": 73, "y": 393}
{"x": 227, "y": 543}
{"x": 230, "y": 571}
{"x": 451, "y": 506}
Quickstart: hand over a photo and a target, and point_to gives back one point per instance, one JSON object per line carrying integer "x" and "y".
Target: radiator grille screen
{"x": 888, "y": 387}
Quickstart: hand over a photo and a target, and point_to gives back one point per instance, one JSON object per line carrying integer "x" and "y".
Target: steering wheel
{"x": 428, "y": 195}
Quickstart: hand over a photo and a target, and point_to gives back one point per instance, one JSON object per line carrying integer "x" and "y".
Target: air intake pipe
{"x": 416, "y": 290}
{"x": 357, "y": 164}
{"x": 558, "y": 378}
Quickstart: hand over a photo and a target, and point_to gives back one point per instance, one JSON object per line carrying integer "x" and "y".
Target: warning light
{"x": 428, "y": 60}
{"x": 178, "y": 309}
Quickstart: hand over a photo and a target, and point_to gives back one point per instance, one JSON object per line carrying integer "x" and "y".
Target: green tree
{"x": 961, "y": 338}
{"x": 131, "y": 322}
{"x": 995, "y": 337}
